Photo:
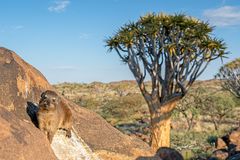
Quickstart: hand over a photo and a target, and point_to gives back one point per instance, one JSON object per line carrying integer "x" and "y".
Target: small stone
{"x": 220, "y": 154}
{"x": 220, "y": 144}
{"x": 166, "y": 153}
{"x": 234, "y": 138}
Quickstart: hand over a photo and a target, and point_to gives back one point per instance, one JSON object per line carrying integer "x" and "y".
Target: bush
{"x": 125, "y": 108}
{"x": 218, "y": 107}
{"x": 212, "y": 139}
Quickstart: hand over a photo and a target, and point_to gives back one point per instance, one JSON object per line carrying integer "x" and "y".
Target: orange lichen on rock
{"x": 33, "y": 77}
{"x": 10, "y": 107}
{"x": 22, "y": 86}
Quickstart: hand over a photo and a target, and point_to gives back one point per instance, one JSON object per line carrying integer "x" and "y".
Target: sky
{"x": 64, "y": 39}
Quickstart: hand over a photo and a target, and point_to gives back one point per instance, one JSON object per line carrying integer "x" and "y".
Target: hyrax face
{"x": 49, "y": 100}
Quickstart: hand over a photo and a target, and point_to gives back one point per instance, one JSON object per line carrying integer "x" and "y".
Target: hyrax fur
{"x": 53, "y": 114}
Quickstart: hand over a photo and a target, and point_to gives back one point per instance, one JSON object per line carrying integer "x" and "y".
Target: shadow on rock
{"x": 234, "y": 157}
{"x": 32, "y": 110}
{"x": 164, "y": 153}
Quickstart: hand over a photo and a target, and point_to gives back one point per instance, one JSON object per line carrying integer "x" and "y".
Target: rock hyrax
{"x": 53, "y": 114}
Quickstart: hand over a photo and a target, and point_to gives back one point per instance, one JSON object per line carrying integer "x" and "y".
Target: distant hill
{"x": 95, "y": 95}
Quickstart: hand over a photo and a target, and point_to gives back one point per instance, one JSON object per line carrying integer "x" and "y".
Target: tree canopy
{"x": 172, "y": 49}
{"x": 230, "y": 74}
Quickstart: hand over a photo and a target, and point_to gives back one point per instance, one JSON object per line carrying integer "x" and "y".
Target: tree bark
{"x": 161, "y": 126}
{"x": 215, "y": 125}
{"x": 189, "y": 120}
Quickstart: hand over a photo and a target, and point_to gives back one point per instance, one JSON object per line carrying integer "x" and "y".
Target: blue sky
{"x": 64, "y": 39}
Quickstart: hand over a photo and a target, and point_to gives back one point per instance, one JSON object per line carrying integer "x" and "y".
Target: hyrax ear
{"x": 43, "y": 95}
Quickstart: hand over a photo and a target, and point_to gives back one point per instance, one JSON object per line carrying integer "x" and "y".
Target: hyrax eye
{"x": 43, "y": 95}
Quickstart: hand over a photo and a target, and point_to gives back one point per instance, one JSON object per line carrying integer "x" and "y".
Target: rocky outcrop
{"x": 21, "y": 140}
{"x": 228, "y": 146}
{"x": 21, "y": 82}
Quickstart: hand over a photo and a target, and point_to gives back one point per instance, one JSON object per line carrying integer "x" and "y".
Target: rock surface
{"x": 220, "y": 154}
{"x": 164, "y": 153}
{"x": 21, "y": 82}
{"x": 21, "y": 140}
{"x": 234, "y": 157}
{"x": 220, "y": 144}
{"x": 100, "y": 135}
{"x": 73, "y": 148}
{"x": 234, "y": 139}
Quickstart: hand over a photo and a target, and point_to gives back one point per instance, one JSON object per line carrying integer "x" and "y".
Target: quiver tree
{"x": 171, "y": 50}
{"x": 230, "y": 76}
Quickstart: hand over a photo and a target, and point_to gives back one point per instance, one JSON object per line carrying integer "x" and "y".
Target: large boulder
{"x": 100, "y": 135}
{"x": 21, "y": 140}
{"x": 21, "y": 82}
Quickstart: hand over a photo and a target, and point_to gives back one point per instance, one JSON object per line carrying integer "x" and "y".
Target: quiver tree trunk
{"x": 161, "y": 125}
{"x": 189, "y": 120}
{"x": 160, "y": 131}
